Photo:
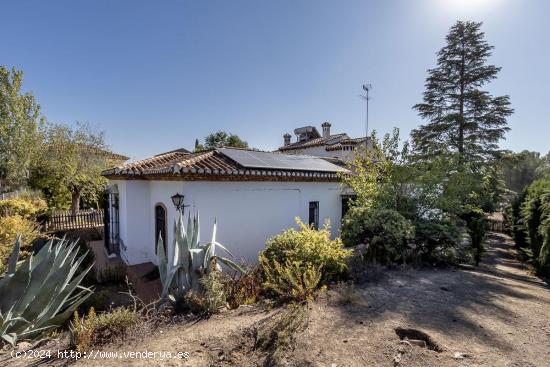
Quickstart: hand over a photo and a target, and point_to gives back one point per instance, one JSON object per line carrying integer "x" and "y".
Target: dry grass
{"x": 277, "y": 335}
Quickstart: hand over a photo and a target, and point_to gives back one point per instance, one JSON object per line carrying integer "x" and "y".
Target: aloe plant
{"x": 188, "y": 259}
{"x": 42, "y": 292}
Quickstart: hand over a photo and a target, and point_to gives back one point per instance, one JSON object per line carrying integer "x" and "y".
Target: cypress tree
{"x": 462, "y": 118}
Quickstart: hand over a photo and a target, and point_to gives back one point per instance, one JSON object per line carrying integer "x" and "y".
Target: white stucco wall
{"x": 247, "y": 212}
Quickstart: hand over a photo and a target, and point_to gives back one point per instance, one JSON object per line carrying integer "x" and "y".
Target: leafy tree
{"x": 544, "y": 169}
{"x": 221, "y": 139}
{"x": 20, "y": 125}
{"x": 374, "y": 170}
{"x": 521, "y": 169}
{"x": 71, "y": 165}
{"x": 462, "y": 118}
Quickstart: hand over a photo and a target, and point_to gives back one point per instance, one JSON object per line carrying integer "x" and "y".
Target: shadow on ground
{"x": 485, "y": 307}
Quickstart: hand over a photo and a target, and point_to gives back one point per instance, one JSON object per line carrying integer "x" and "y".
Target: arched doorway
{"x": 160, "y": 224}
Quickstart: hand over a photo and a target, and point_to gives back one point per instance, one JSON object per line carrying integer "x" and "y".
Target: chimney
{"x": 326, "y": 129}
{"x": 287, "y": 137}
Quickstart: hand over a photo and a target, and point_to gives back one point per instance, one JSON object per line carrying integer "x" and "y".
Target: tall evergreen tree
{"x": 462, "y": 118}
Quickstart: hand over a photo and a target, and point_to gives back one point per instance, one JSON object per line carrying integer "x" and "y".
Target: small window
{"x": 314, "y": 214}
{"x": 346, "y": 203}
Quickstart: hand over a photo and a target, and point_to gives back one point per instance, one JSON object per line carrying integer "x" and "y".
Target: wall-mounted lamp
{"x": 177, "y": 200}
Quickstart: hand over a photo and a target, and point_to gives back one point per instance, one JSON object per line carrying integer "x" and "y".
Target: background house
{"x": 327, "y": 145}
{"x": 254, "y": 195}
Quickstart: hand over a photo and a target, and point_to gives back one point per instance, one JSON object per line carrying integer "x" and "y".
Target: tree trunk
{"x": 461, "y": 106}
{"x": 75, "y": 202}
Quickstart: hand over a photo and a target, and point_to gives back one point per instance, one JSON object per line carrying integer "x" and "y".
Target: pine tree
{"x": 462, "y": 118}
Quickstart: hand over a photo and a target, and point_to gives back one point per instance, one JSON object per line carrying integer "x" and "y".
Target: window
{"x": 346, "y": 203}
{"x": 160, "y": 224}
{"x": 314, "y": 214}
{"x": 111, "y": 220}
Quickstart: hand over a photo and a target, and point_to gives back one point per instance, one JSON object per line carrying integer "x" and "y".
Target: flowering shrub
{"x": 28, "y": 207}
{"x": 309, "y": 246}
{"x": 10, "y": 228}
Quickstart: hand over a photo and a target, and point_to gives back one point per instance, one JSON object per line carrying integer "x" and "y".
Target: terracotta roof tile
{"x": 207, "y": 165}
{"x": 332, "y": 139}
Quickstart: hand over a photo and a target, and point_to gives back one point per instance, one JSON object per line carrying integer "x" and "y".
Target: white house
{"x": 254, "y": 195}
{"x": 336, "y": 146}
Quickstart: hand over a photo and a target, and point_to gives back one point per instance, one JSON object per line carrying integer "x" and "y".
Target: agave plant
{"x": 188, "y": 258}
{"x": 42, "y": 292}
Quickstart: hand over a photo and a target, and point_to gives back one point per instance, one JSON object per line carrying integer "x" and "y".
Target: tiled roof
{"x": 208, "y": 165}
{"x": 332, "y": 139}
{"x": 348, "y": 141}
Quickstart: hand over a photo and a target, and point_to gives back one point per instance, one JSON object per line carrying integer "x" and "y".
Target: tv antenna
{"x": 367, "y": 87}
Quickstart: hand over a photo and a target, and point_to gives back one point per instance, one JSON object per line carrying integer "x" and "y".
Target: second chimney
{"x": 287, "y": 137}
{"x": 326, "y": 129}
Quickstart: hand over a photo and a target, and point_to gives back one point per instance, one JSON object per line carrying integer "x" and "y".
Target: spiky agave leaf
{"x": 12, "y": 262}
{"x": 43, "y": 292}
{"x": 230, "y": 264}
{"x": 167, "y": 269}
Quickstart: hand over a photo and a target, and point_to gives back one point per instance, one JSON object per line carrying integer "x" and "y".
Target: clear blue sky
{"x": 155, "y": 75}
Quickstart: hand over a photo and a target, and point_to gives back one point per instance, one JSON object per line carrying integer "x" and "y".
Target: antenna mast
{"x": 367, "y": 88}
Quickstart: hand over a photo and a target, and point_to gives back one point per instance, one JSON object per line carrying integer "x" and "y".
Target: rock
{"x": 22, "y": 346}
{"x": 460, "y": 355}
{"x": 396, "y": 360}
{"x": 418, "y": 343}
{"x": 39, "y": 343}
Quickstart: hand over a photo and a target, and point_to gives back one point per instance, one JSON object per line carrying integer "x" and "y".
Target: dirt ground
{"x": 493, "y": 315}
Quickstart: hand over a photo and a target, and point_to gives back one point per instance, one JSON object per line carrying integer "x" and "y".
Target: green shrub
{"x": 93, "y": 329}
{"x": 530, "y": 216}
{"x": 436, "y": 240}
{"x": 213, "y": 292}
{"x": 384, "y": 231}
{"x": 543, "y": 260}
{"x": 292, "y": 281}
{"x": 10, "y": 228}
{"x": 308, "y": 246}
{"x": 517, "y": 227}
{"x": 28, "y": 208}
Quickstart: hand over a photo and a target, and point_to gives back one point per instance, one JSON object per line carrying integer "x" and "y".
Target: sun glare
{"x": 467, "y": 5}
